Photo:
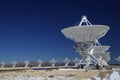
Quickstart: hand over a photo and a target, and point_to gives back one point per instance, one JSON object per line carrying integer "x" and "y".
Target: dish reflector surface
{"x": 85, "y": 32}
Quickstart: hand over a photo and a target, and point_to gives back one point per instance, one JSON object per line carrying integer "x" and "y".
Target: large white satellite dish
{"x": 100, "y": 49}
{"x": 85, "y": 37}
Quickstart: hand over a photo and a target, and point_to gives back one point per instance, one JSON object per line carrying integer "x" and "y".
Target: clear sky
{"x": 31, "y": 29}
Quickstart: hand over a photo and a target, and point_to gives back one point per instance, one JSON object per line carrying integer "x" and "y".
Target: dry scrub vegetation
{"x": 76, "y": 74}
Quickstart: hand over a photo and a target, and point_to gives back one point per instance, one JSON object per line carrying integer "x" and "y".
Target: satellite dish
{"x": 39, "y": 62}
{"x": 76, "y": 61}
{"x": 118, "y": 59}
{"x": 83, "y": 33}
{"x": 86, "y": 36}
{"x": 26, "y": 63}
{"x": 100, "y": 49}
{"x": 14, "y": 63}
{"x": 2, "y": 64}
{"x": 66, "y": 61}
{"x": 53, "y": 61}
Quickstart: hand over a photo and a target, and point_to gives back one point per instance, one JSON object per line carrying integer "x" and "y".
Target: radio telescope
{"x": 53, "y": 61}
{"x": 14, "y": 63}
{"x": 118, "y": 59}
{"x": 85, "y": 35}
{"x": 26, "y": 63}
{"x": 100, "y": 53}
{"x": 66, "y": 61}
{"x": 76, "y": 62}
{"x": 39, "y": 62}
{"x": 2, "y": 64}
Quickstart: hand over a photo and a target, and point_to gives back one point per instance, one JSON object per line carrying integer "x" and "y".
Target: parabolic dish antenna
{"x": 86, "y": 39}
{"x": 85, "y": 32}
{"x": 100, "y": 49}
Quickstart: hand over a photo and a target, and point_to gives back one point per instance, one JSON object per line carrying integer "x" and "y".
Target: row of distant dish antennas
{"x": 53, "y": 62}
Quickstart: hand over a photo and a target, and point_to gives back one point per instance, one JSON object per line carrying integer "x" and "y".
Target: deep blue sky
{"x": 31, "y": 29}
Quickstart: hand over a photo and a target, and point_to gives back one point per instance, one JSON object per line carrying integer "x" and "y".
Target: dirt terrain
{"x": 76, "y": 74}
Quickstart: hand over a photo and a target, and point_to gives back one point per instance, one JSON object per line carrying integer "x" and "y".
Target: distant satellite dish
{"x": 26, "y": 63}
{"x": 100, "y": 49}
{"x": 53, "y": 61}
{"x": 66, "y": 61}
{"x": 39, "y": 62}
{"x": 118, "y": 59}
{"x": 14, "y": 63}
{"x": 2, "y": 64}
{"x": 76, "y": 61}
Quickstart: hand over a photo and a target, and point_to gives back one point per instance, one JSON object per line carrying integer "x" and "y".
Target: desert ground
{"x": 75, "y": 74}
